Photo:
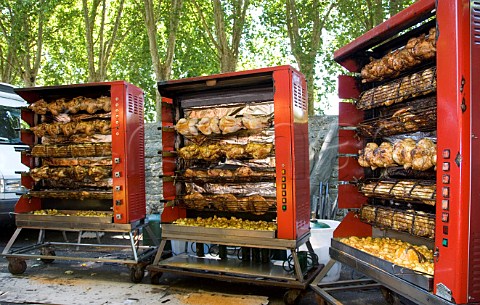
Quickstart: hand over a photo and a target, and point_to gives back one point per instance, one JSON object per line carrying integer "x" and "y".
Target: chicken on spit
{"x": 230, "y": 124}
{"x": 187, "y": 127}
{"x": 255, "y": 122}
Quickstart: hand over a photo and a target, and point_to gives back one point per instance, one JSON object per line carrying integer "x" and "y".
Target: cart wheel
{"x": 49, "y": 252}
{"x": 291, "y": 296}
{"x": 155, "y": 278}
{"x": 17, "y": 266}
{"x": 136, "y": 274}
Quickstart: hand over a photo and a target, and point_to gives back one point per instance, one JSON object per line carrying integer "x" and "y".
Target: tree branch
{"x": 205, "y": 25}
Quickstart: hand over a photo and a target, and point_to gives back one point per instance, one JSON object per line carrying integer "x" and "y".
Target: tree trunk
{"x": 305, "y": 52}
{"x": 31, "y": 66}
{"x": 162, "y": 70}
{"x": 97, "y": 70}
{"x": 227, "y": 51}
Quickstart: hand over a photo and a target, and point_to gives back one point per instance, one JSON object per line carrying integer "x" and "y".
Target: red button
{"x": 445, "y": 217}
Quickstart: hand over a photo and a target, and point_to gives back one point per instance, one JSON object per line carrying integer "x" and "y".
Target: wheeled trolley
{"x": 295, "y": 273}
{"x": 133, "y": 254}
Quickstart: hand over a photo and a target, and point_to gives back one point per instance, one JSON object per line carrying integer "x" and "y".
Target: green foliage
{"x": 265, "y": 40}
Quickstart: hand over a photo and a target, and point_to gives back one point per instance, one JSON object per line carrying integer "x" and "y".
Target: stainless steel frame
{"x": 233, "y": 269}
{"x": 137, "y": 259}
{"x": 387, "y": 279}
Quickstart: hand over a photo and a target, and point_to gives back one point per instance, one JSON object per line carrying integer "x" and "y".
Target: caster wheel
{"x": 291, "y": 296}
{"x": 17, "y": 267}
{"x": 136, "y": 274}
{"x": 155, "y": 278}
{"x": 49, "y": 252}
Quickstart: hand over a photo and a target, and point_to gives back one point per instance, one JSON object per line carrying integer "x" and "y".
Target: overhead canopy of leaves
{"x": 262, "y": 38}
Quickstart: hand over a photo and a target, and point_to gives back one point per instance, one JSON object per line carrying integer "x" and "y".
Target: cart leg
{"x": 12, "y": 241}
{"x": 159, "y": 252}
{"x": 41, "y": 236}
{"x": 324, "y": 272}
{"x": 296, "y": 264}
{"x": 64, "y": 233}
{"x": 134, "y": 248}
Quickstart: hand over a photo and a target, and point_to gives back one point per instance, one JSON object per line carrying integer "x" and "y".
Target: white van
{"x": 10, "y": 158}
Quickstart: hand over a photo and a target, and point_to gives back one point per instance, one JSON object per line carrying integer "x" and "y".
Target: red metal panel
{"x": 352, "y": 226}
{"x": 26, "y": 204}
{"x": 128, "y": 148}
{"x": 349, "y": 197}
{"x": 167, "y": 112}
{"x": 283, "y": 123}
{"x": 169, "y": 166}
{"x": 170, "y": 214}
{"x": 349, "y": 115}
{"x": 348, "y": 87}
{"x": 135, "y": 152}
{"x": 349, "y": 169}
{"x": 28, "y": 116}
{"x": 27, "y": 137}
{"x": 27, "y": 159}
{"x": 474, "y": 84}
{"x": 169, "y": 190}
{"x": 401, "y": 21}
{"x": 27, "y": 181}
{"x": 453, "y": 133}
{"x": 349, "y": 142}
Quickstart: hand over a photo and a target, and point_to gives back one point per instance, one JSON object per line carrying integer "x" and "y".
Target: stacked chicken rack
{"x": 235, "y": 177}
{"x": 79, "y": 161}
{"x": 399, "y": 154}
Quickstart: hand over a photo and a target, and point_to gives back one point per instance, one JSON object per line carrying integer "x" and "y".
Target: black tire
{"x": 136, "y": 274}
{"x": 291, "y": 296}
{"x": 155, "y": 278}
{"x": 49, "y": 252}
{"x": 17, "y": 267}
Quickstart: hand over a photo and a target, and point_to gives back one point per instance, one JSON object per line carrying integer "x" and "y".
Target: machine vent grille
{"x": 299, "y": 96}
{"x": 475, "y": 265}
{"x": 134, "y": 104}
{"x": 476, "y": 22}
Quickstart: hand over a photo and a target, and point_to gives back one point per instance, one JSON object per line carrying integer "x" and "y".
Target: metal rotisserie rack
{"x": 407, "y": 154}
{"x": 86, "y": 160}
{"x": 236, "y": 174}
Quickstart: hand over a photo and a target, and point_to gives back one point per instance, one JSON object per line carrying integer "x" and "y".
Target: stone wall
{"x": 153, "y": 167}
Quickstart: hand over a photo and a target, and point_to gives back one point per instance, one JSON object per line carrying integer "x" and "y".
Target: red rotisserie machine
{"x": 408, "y": 151}
{"x": 235, "y": 146}
{"x": 87, "y": 172}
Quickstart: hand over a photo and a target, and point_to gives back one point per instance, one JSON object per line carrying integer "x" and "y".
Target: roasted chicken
{"x": 259, "y": 150}
{"x": 234, "y": 151}
{"x": 230, "y": 124}
{"x": 72, "y": 106}
{"x": 417, "y": 50}
{"x": 187, "y": 127}
{"x": 255, "y": 122}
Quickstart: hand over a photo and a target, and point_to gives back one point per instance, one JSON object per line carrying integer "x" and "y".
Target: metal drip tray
{"x": 345, "y": 253}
